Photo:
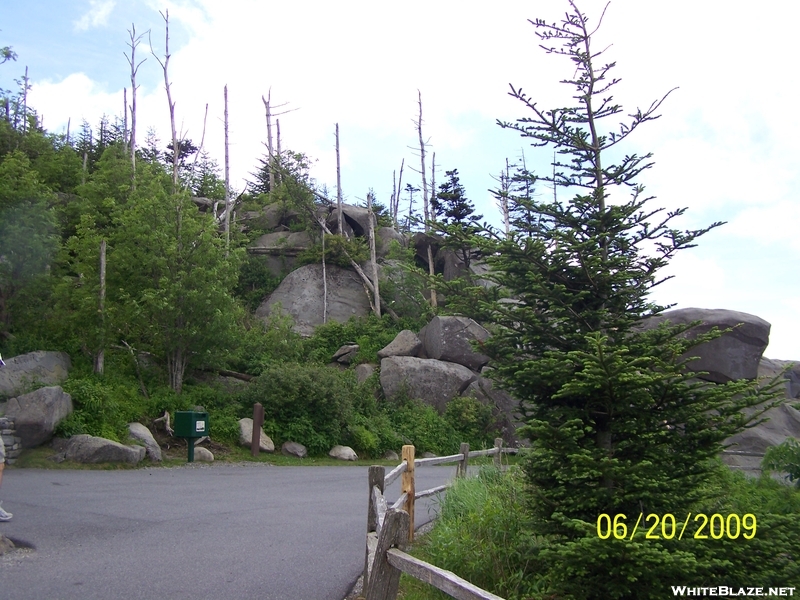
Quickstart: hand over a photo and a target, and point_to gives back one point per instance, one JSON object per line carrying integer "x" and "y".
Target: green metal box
{"x": 191, "y": 424}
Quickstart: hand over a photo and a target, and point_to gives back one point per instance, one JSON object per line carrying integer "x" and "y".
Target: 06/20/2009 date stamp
{"x": 667, "y": 527}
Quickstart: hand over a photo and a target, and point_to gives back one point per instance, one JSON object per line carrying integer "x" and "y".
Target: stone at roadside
{"x": 36, "y": 414}
{"x": 405, "y": 343}
{"x": 433, "y": 381}
{"x": 391, "y": 455}
{"x": 6, "y": 545}
{"x": 246, "y": 436}
{"x": 27, "y": 372}
{"x": 294, "y": 449}
{"x": 364, "y": 371}
{"x": 732, "y": 356}
{"x": 89, "y": 449}
{"x": 343, "y": 453}
{"x": 449, "y": 339}
{"x": 139, "y": 432}
{"x": 346, "y": 354}
{"x": 203, "y": 454}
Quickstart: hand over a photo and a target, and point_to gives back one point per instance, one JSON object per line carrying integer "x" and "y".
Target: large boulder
{"x": 449, "y": 339}
{"x": 301, "y": 295}
{"x": 280, "y": 242}
{"x": 139, "y": 432}
{"x": 505, "y": 408}
{"x": 364, "y": 371}
{"x": 203, "y": 454}
{"x": 355, "y": 220}
{"x": 90, "y": 449}
{"x": 747, "y": 447}
{"x": 343, "y": 453}
{"x": 433, "y": 381}
{"x": 36, "y": 414}
{"x": 27, "y": 372}
{"x": 384, "y": 238}
{"x": 732, "y": 356}
{"x": 294, "y": 449}
{"x": 405, "y": 343}
{"x": 246, "y": 436}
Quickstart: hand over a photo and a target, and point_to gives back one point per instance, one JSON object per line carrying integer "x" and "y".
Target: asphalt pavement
{"x": 195, "y": 532}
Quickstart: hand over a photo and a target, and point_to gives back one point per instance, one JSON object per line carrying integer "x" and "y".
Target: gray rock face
{"x": 139, "y": 432}
{"x": 346, "y": 354}
{"x": 734, "y": 355}
{"x": 301, "y": 295}
{"x": 506, "y": 409}
{"x": 784, "y": 421}
{"x": 406, "y": 343}
{"x": 203, "y": 454}
{"x": 384, "y": 238}
{"x": 448, "y": 338}
{"x": 36, "y": 414}
{"x": 433, "y": 381}
{"x": 280, "y": 241}
{"x": 27, "y": 372}
{"x": 769, "y": 368}
{"x": 90, "y": 449}
{"x": 356, "y": 218}
{"x": 343, "y": 453}
{"x": 294, "y": 449}
{"x": 246, "y": 436}
{"x": 364, "y": 371}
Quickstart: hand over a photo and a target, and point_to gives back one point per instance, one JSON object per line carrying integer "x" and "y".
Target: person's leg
{"x": 4, "y": 516}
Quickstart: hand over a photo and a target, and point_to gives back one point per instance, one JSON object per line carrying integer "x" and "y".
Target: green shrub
{"x": 102, "y": 407}
{"x": 421, "y": 425}
{"x": 784, "y": 458}
{"x": 370, "y": 333}
{"x": 473, "y": 421}
{"x": 256, "y": 281}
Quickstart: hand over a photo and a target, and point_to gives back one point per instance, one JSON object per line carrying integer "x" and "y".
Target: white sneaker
{"x": 4, "y": 516}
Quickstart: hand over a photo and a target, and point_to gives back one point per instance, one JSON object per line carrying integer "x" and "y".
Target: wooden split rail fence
{"x": 390, "y": 528}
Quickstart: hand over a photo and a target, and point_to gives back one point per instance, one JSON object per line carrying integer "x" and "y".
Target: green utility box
{"x": 191, "y": 424}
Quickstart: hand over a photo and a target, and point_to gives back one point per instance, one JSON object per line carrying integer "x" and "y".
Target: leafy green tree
{"x": 173, "y": 276}
{"x": 27, "y": 234}
{"x": 618, "y": 424}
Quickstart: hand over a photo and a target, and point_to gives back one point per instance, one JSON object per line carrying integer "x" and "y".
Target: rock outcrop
{"x": 139, "y": 432}
{"x": 27, "y": 372}
{"x": 36, "y": 414}
{"x": 433, "y": 381}
{"x": 90, "y": 449}
{"x": 732, "y": 356}
{"x": 405, "y": 343}
{"x": 246, "y": 436}
{"x": 449, "y": 339}
{"x": 301, "y": 295}
{"x": 203, "y": 454}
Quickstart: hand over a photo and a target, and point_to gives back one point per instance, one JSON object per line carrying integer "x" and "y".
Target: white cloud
{"x": 97, "y": 15}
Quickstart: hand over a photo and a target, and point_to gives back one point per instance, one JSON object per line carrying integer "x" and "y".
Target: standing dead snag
{"x": 134, "y": 69}
{"x": 167, "y": 86}
{"x": 338, "y": 184}
{"x": 227, "y": 182}
{"x": 425, "y": 203}
{"x": 372, "y": 255}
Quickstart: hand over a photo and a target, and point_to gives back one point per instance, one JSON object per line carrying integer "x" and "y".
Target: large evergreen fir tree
{"x": 618, "y": 424}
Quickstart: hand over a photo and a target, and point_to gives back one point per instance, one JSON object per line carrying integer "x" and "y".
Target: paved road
{"x": 201, "y": 532}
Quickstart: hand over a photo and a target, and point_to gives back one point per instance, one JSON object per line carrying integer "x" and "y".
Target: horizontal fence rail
{"x": 391, "y": 528}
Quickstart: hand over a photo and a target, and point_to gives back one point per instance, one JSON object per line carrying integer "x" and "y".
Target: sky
{"x": 725, "y": 146}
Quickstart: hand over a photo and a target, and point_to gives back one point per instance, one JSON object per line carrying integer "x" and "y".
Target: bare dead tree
{"x": 227, "y": 182}
{"x": 134, "y": 42}
{"x": 338, "y": 184}
{"x": 278, "y": 149}
{"x": 167, "y": 86}
{"x": 394, "y": 205}
{"x": 69, "y": 121}
{"x": 270, "y": 153}
{"x": 25, "y": 101}
{"x": 372, "y": 255}
{"x": 425, "y": 202}
{"x": 125, "y": 120}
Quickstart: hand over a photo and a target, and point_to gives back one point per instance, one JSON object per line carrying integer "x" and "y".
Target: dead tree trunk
{"x": 125, "y": 120}
{"x": 278, "y": 150}
{"x": 372, "y": 258}
{"x": 324, "y": 284}
{"x": 425, "y": 205}
{"x": 176, "y": 148}
{"x": 271, "y": 158}
{"x": 338, "y": 184}
{"x": 134, "y": 68}
{"x": 25, "y": 102}
{"x": 99, "y": 359}
{"x": 227, "y": 182}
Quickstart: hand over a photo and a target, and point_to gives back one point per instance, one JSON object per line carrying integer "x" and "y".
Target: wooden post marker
{"x": 258, "y": 421}
{"x": 498, "y": 444}
{"x": 407, "y": 487}
{"x": 461, "y": 470}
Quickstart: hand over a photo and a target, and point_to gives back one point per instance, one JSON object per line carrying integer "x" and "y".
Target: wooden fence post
{"x": 258, "y": 421}
{"x": 385, "y": 579}
{"x": 376, "y": 477}
{"x": 498, "y": 444}
{"x": 407, "y": 487}
{"x": 461, "y": 470}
